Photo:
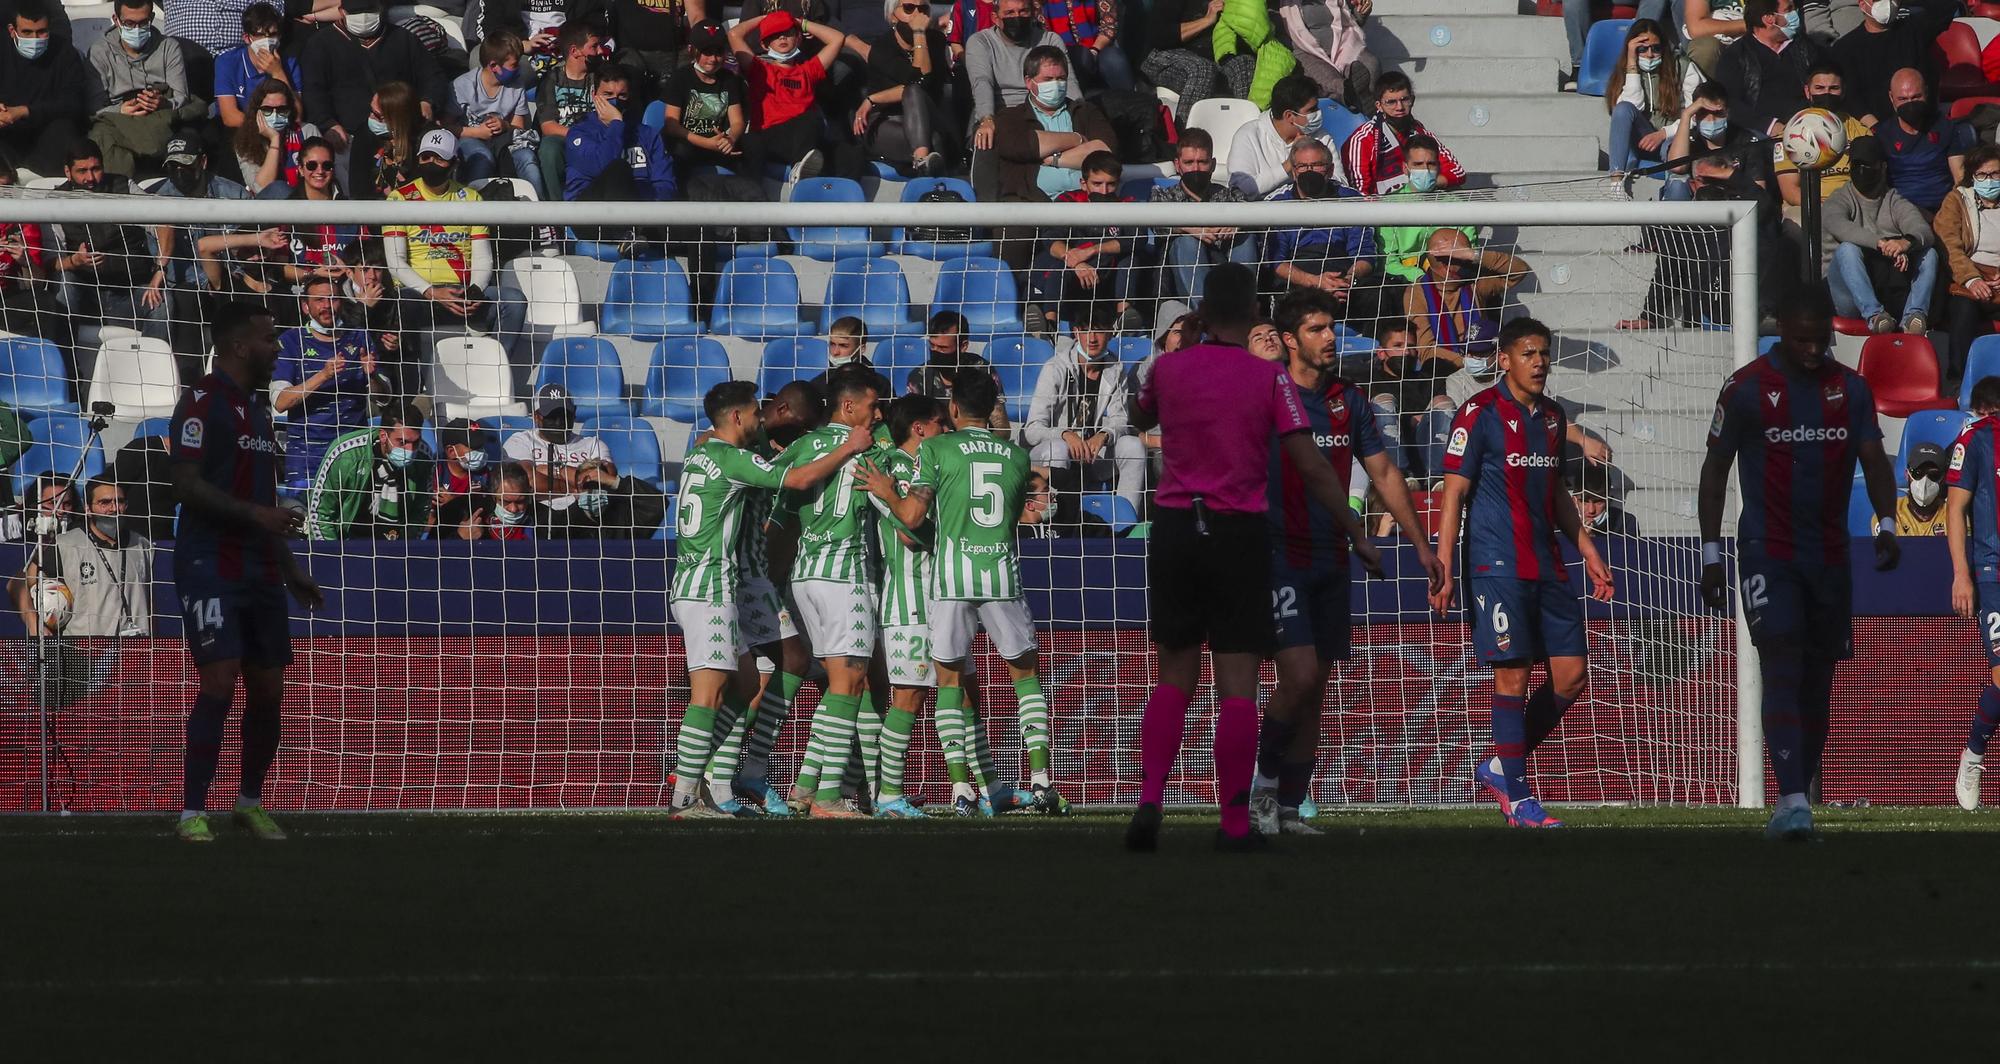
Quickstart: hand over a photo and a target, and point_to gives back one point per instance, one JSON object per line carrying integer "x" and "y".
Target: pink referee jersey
{"x": 1218, "y": 409}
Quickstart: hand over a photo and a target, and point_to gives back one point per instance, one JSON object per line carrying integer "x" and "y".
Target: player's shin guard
{"x": 1161, "y": 730}
{"x": 897, "y": 725}
{"x": 1510, "y": 744}
{"x": 204, "y": 749}
{"x": 1034, "y": 712}
{"x": 1784, "y": 737}
{"x": 950, "y": 725}
{"x": 691, "y": 752}
{"x": 261, "y": 731}
{"x": 833, "y": 730}
{"x": 1984, "y": 723}
{"x": 772, "y": 711}
{"x": 1545, "y": 711}
{"x": 1235, "y": 762}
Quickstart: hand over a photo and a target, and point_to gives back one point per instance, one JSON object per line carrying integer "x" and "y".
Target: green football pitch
{"x": 1396, "y": 936}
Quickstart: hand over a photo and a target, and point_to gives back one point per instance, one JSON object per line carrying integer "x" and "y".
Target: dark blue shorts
{"x": 239, "y": 620}
{"x": 1987, "y": 612}
{"x": 1524, "y": 620}
{"x": 1310, "y": 607}
{"x": 1805, "y": 607}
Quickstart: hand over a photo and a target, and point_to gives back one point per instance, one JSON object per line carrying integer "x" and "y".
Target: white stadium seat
{"x": 554, "y": 302}
{"x": 137, "y": 374}
{"x": 1221, "y": 117}
{"x": 474, "y": 379}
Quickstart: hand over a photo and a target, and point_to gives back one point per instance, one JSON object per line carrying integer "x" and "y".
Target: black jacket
{"x": 340, "y": 76}
{"x": 56, "y": 86}
{"x": 1766, "y": 86}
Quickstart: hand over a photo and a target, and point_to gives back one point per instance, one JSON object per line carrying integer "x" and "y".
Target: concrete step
{"x": 1499, "y": 153}
{"x": 1471, "y": 75}
{"x": 1397, "y": 37}
{"x": 1537, "y": 114}
{"x": 1538, "y": 241}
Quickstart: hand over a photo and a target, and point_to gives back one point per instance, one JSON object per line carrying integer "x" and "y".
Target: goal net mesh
{"x": 462, "y": 662}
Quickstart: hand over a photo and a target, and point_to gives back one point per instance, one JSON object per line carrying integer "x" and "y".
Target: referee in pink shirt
{"x": 1208, "y": 563}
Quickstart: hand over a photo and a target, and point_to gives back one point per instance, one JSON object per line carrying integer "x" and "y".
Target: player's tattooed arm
{"x": 910, "y": 509}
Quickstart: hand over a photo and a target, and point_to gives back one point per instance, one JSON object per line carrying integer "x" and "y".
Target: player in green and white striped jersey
{"x": 715, "y": 481}
{"x": 834, "y": 586}
{"x": 976, "y": 486}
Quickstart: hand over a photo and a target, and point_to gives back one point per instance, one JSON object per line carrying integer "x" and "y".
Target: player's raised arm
{"x": 910, "y": 509}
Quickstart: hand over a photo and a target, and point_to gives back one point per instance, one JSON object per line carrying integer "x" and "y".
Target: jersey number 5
{"x": 688, "y": 522}
{"x": 986, "y": 494}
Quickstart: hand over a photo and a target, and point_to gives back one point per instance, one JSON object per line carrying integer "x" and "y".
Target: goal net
{"x": 499, "y": 637}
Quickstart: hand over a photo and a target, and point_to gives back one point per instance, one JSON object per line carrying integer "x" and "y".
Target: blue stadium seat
{"x": 983, "y": 290}
{"x": 873, "y": 290}
{"x": 1112, "y": 509}
{"x": 1600, "y": 55}
{"x": 791, "y": 359}
{"x": 650, "y": 299}
{"x": 634, "y": 446}
{"x": 830, "y": 243}
{"x": 681, "y": 372}
{"x": 589, "y": 367}
{"x": 667, "y": 527}
{"x": 901, "y": 244}
{"x": 1339, "y": 122}
{"x": 1930, "y": 426}
{"x": 152, "y": 426}
{"x": 1349, "y": 341}
{"x": 1981, "y": 362}
{"x": 601, "y": 250}
{"x": 896, "y": 357}
{"x": 1017, "y": 363}
{"x": 1131, "y": 350}
{"x": 56, "y": 441}
{"x": 1860, "y": 512}
{"x": 758, "y": 298}
{"x": 1766, "y": 343}
{"x": 655, "y": 115}
{"x": 34, "y": 379}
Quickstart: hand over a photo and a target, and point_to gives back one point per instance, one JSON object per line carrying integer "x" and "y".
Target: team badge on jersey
{"x": 1836, "y": 392}
{"x": 1459, "y": 439}
{"x": 191, "y": 433}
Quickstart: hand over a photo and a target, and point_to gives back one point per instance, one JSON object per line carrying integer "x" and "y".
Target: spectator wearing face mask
{"x": 1589, "y": 487}
{"x": 107, "y": 566}
{"x": 608, "y": 506}
{"x": 1083, "y": 270}
{"x": 1892, "y": 36}
{"x": 1454, "y": 306}
{"x": 1261, "y": 151}
{"x": 1077, "y": 431}
{"x": 706, "y": 104}
{"x": 250, "y": 64}
{"x": 1882, "y": 247}
{"x": 612, "y": 157}
{"x": 325, "y": 383}
{"x": 1968, "y": 230}
{"x": 144, "y": 87}
{"x": 1192, "y": 251}
{"x": 1926, "y": 148}
{"x": 268, "y": 143}
{"x": 786, "y": 125}
{"x": 45, "y": 90}
{"x": 554, "y": 450}
{"x": 1647, "y": 107}
{"x": 1706, "y": 131}
{"x": 950, "y": 354}
{"x": 117, "y": 273}
{"x": 565, "y": 96}
{"x": 1920, "y": 510}
{"x": 1402, "y": 246}
{"x": 342, "y": 67}
{"x": 1374, "y": 151}
{"x": 1337, "y": 260}
{"x": 490, "y": 109}
{"x": 507, "y": 511}
{"x": 461, "y": 469}
{"x": 847, "y": 345}
{"x": 373, "y": 483}
{"x": 1765, "y": 70}
{"x": 446, "y": 271}
{"x": 1043, "y": 141}
{"x": 993, "y": 60}
{"x": 1824, "y": 89}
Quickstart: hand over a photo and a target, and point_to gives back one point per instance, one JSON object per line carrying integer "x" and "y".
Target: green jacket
{"x": 358, "y": 494}
{"x": 13, "y": 435}
{"x": 1403, "y": 245}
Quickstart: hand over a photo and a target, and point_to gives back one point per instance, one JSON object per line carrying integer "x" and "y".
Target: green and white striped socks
{"x": 733, "y": 723}
{"x": 1034, "y": 712}
{"x": 896, "y": 727}
{"x": 828, "y": 745}
{"x": 691, "y": 753}
{"x": 949, "y": 720}
{"x": 772, "y": 712}
{"x": 870, "y": 741}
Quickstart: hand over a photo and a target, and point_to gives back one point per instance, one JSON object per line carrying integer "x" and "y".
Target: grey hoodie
{"x": 1851, "y": 218}
{"x": 120, "y": 73}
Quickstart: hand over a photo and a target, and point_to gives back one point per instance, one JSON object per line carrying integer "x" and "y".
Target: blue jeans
{"x": 1189, "y": 260}
{"x": 1433, "y": 434}
{"x": 1391, "y": 428}
{"x": 1628, "y": 125}
{"x": 1854, "y": 295}
{"x": 1678, "y": 189}
{"x": 477, "y": 160}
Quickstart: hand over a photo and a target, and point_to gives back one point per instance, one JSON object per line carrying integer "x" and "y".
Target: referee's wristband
{"x": 1711, "y": 552}
{"x": 1885, "y": 526}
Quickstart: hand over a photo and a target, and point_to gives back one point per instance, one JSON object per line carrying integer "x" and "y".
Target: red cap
{"x": 776, "y": 24}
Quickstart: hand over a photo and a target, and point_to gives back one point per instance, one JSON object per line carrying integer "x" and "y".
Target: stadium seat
{"x": 34, "y": 379}
{"x": 758, "y": 298}
{"x": 474, "y": 379}
{"x": 1851, "y": 326}
{"x": 901, "y": 244}
{"x": 649, "y": 299}
{"x": 1131, "y": 350}
{"x": 656, "y": 115}
{"x": 634, "y": 446}
{"x": 1221, "y": 116}
{"x": 897, "y": 356}
{"x": 1932, "y": 426}
{"x": 1902, "y": 371}
{"x": 669, "y": 527}
{"x": 1860, "y": 511}
{"x": 1957, "y": 54}
{"x": 1600, "y": 55}
{"x": 601, "y": 250}
{"x": 589, "y": 367}
{"x": 55, "y": 443}
{"x": 1766, "y": 343}
{"x": 152, "y": 426}
{"x": 1339, "y": 122}
{"x": 1017, "y": 362}
{"x": 1981, "y": 362}
{"x": 520, "y": 189}
{"x": 791, "y": 359}
{"x": 983, "y": 290}
{"x": 554, "y": 302}
{"x": 831, "y": 243}
{"x": 1111, "y": 509}
{"x": 873, "y": 290}
{"x": 137, "y": 375}
{"x": 681, "y": 372}
{"x": 1964, "y": 105}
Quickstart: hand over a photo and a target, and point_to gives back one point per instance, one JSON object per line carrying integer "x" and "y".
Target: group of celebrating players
{"x": 890, "y": 524}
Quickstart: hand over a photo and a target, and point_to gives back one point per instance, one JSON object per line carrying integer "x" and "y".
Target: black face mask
{"x": 1832, "y": 101}
{"x": 1916, "y": 114}
{"x": 1870, "y": 179}
{"x": 1404, "y": 124}
{"x": 1018, "y": 30}
{"x": 1311, "y": 184}
{"x": 1197, "y": 181}
{"x": 1103, "y": 197}
{"x": 904, "y": 33}
{"x": 187, "y": 180}
{"x": 436, "y": 175}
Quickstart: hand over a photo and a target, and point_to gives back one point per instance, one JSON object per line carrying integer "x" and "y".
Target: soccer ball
{"x": 1815, "y": 139}
{"x": 53, "y": 602}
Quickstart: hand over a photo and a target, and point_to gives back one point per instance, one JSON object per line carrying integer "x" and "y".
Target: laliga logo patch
{"x": 1715, "y": 427}
{"x": 191, "y": 433}
{"x": 1459, "y": 438}
{"x": 1957, "y": 457}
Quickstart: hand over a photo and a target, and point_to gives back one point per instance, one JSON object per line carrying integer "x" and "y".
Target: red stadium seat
{"x": 1598, "y": 11}
{"x": 1902, "y": 371}
{"x": 1426, "y": 504}
{"x": 1959, "y": 58}
{"x": 1963, "y": 105}
{"x": 1850, "y": 326}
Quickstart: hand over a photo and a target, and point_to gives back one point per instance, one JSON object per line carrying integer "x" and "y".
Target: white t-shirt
{"x": 1257, "y": 158}
{"x": 529, "y": 446}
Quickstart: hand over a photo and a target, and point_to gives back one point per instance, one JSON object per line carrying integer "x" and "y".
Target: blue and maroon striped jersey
{"x": 1343, "y": 424}
{"x": 1975, "y": 467}
{"x": 1797, "y": 438}
{"x": 228, "y": 434}
{"x": 1512, "y": 454}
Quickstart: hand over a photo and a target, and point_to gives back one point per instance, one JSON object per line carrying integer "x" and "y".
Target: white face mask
{"x": 47, "y": 524}
{"x": 317, "y": 328}
{"x": 367, "y": 25}
{"x": 1479, "y": 365}
{"x": 1924, "y": 491}
{"x": 474, "y": 461}
{"x": 1882, "y": 11}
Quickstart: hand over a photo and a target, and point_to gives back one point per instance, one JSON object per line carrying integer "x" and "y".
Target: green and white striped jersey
{"x": 906, "y": 570}
{"x": 834, "y": 521}
{"x": 980, "y": 482}
{"x": 717, "y": 481}
{"x": 752, "y": 560}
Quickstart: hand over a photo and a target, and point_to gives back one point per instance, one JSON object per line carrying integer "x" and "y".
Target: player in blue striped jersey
{"x": 1972, "y": 511}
